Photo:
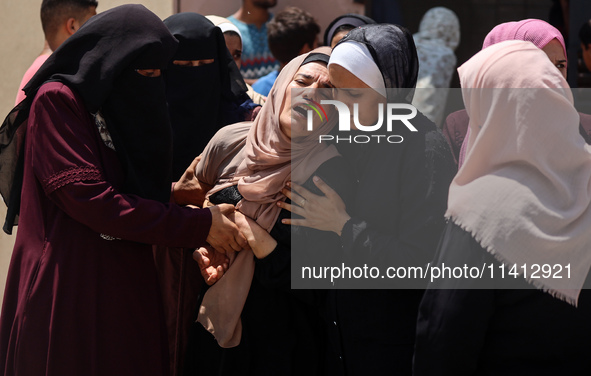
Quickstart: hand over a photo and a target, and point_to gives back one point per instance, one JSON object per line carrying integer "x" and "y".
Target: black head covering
{"x": 350, "y": 19}
{"x": 98, "y": 62}
{"x": 315, "y": 57}
{"x": 393, "y": 50}
{"x": 201, "y": 99}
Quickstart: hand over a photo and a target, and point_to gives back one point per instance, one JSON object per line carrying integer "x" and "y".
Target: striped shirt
{"x": 257, "y": 60}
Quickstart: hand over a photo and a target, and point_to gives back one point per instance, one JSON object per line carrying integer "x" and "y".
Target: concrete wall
{"x": 22, "y": 41}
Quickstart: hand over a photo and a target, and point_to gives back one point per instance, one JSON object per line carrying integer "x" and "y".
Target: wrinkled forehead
{"x": 316, "y": 70}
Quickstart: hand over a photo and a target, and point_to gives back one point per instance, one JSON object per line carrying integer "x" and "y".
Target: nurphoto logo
{"x": 344, "y": 119}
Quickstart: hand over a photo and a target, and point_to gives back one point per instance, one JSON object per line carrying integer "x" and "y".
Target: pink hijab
{"x": 539, "y": 32}
{"x": 260, "y": 159}
{"x": 268, "y": 158}
{"x": 525, "y": 191}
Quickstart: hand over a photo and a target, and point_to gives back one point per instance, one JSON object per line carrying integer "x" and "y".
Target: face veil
{"x": 201, "y": 99}
{"x": 98, "y": 62}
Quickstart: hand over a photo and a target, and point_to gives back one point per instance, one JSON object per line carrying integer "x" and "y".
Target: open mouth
{"x": 300, "y": 109}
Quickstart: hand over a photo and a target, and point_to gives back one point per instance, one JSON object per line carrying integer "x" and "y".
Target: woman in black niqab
{"x": 99, "y": 64}
{"x": 203, "y": 96}
{"x": 82, "y": 294}
{"x": 101, "y": 67}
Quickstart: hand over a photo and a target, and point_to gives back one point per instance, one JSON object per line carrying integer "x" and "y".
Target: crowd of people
{"x": 164, "y": 173}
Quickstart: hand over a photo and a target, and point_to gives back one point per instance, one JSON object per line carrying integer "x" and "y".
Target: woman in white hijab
{"x": 233, "y": 39}
{"x": 436, "y": 41}
{"x": 519, "y": 210}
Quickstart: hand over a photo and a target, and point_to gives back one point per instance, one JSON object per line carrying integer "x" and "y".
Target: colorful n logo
{"x": 316, "y": 107}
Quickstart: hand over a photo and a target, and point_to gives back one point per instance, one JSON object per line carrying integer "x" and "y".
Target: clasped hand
{"x": 232, "y": 231}
{"x": 214, "y": 261}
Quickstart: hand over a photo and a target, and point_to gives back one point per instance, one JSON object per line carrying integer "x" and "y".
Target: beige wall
{"x": 324, "y": 11}
{"x": 22, "y": 41}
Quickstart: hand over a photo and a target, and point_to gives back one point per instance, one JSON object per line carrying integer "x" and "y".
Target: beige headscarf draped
{"x": 525, "y": 187}
{"x": 264, "y": 160}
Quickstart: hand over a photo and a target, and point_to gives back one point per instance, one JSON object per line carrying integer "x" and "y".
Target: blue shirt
{"x": 264, "y": 84}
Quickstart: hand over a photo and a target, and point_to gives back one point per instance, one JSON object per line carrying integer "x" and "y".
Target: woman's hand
{"x": 212, "y": 264}
{"x": 224, "y": 235}
{"x": 325, "y": 213}
{"x": 259, "y": 240}
{"x": 189, "y": 190}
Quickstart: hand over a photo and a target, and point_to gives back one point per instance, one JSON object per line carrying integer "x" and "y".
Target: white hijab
{"x": 524, "y": 192}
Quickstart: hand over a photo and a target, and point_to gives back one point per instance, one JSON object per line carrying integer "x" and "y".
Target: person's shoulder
{"x": 265, "y": 83}
{"x": 55, "y": 87}
{"x": 236, "y": 129}
{"x": 459, "y": 117}
{"x": 337, "y": 173}
{"x": 270, "y": 77}
{"x": 585, "y": 126}
{"x": 585, "y": 120}
{"x": 59, "y": 94}
{"x": 28, "y": 75}
{"x": 57, "y": 108}
{"x": 428, "y": 139}
{"x": 423, "y": 124}
{"x": 239, "y": 24}
{"x": 333, "y": 166}
{"x": 40, "y": 60}
{"x": 231, "y": 135}
{"x": 37, "y": 63}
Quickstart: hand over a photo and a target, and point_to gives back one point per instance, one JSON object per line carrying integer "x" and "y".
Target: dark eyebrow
{"x": 561, "y": 61}
{"x": 308, "y": 77}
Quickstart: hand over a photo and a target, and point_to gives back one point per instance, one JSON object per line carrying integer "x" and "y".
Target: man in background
{"x": 585, "y": 37}
{"x": 252, "y": 19}
{"x": 59, "y": 19}
{"x": 292, "y": 32}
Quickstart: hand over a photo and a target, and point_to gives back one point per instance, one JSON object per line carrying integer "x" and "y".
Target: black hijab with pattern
{"x": 99, "y": 63}
{"x": 201, "y": 99}
{"x": 393, "y": 50}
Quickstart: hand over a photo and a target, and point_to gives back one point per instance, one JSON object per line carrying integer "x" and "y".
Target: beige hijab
{"x": 525, "y": 188}
{"x": 260, "y": 159}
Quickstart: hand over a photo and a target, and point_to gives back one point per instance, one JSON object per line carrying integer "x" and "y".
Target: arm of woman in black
{"x": 398, "y": 214}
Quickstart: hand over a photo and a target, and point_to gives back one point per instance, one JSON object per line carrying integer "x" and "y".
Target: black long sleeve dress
{"x": 501, "y": 330}
{"x": 397, "y": 219}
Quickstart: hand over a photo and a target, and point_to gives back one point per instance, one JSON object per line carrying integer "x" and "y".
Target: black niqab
{"x": 98, "y": 62}
{"x": 201, "y": 99}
